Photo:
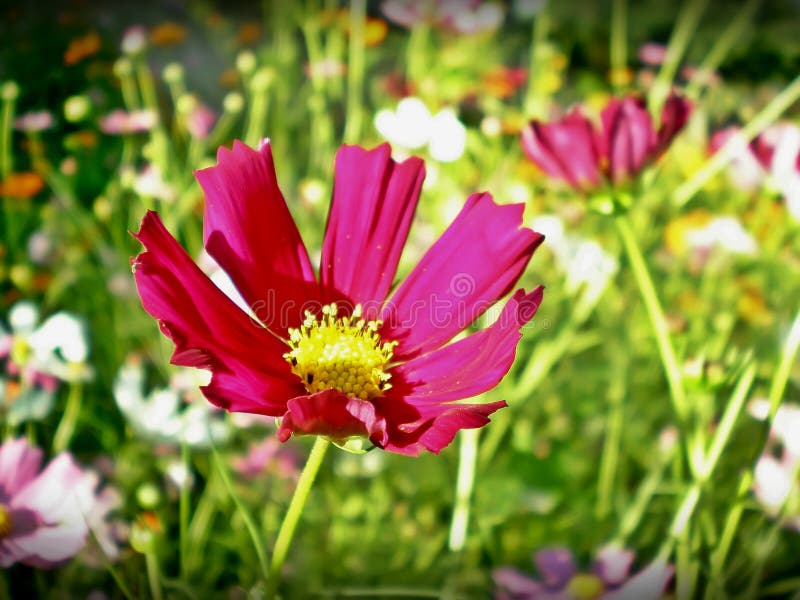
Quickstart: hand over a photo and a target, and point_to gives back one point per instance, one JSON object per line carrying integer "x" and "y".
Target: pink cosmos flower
{"x": 576, "y": 152}
{"x": 773, "y": 155}
{"x": 461, "y": 16}
{"x": 42, "y": 523}
{"x": 329, "y": 354}
{"x": 560, "y": 579}
{"x": 119, "y": 122}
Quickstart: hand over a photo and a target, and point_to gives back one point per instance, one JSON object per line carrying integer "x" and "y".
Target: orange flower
{"x": 248, "y": 33}
{"x": 168, "y": 33}
{"x": 21, "y": 185}
{"x": 81, "y": 47}
{"x": 501, "y": 82}
{"x": 229, "y": 78}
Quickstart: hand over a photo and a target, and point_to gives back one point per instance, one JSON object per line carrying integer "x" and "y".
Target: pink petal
{"x": 470, "y": 366}
{"x": 648, "y": 584}
{"x": 567, "y": 149}
{"x": 249, "y": 231}
{"x": 434, "y": 428}
{"x": 613, "y": 564}
{"x": 629, "y": 136}
{"x": 19, "y": 464}
{"x": 476, "y": 261}
{"x": 674, "y": 115}
{"x": 209, "y": 330}
{"x": 61, "y": 529}
{"x": 374, "y": 199}
{"x": 516, "y": 583}
{"x": 334, "y": 415}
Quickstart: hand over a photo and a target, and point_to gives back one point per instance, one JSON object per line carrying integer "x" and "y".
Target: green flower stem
{"x": 6, "y": 123}
{"x": 467, "y": 459}
{"x": 715, "y": 580}
{"x": 681, "y": 36}
{"x": 610, "y": 457}
{"x": 201, "y": 524}
{"x": 686, "y": 509}
{"x": 249, "y": 523}
{"x": 725, "y": 42}
{"x": 289, "y": 524}
{"x": 183, "y": 509}
{"x": 158, "y": 136}
{"x": 768, "y": 115}
{"x": 781, "y": 377}
{"x": 635, "y": 512}
{"x": 68, "y": 421}
{"x": 535, "y": 105}
{"x": 153, "y": 575}
{"x": 6, "y": 156}
{"x": 656, "y": 315}
{"x": 618, "y": 46}
{"x": 416, "y": 52}
{"x": 260, "y": 86}
{"x": 355, "y": 71}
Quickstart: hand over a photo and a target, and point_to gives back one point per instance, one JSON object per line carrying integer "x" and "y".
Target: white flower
{"x": 487, "y": 16}
{"x": 163, "y": 416}
{"x": 408, "y": 126}
{"x": 151, "y": 184}
{"x": 448, "y": 137}
{"x": 411, "y": 126}
{"x": 584, "y": 262}
{"x": 724, "y": 231}
{"x": 59, "y": 347}
{"x": 784, "y": 169}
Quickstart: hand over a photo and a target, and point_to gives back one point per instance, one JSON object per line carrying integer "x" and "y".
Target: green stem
{"x": 355, "y": 71}
{"x": 611, "y": 447}
{"x": 535, "y": 106}
{"x": 781, "y": 377}
{"x": 416, "y": 51}
{"x": 183, "y": 508}
{"x": 691, "y": 498}
{"x": 716, "y": 585}
{"x": 725, "y": 42}
{"x": 633, "y": 515}
{"x": 656, "y": 315}
{"x": 249, "y": 523}
{"x": 681, "y": 36}
{"x": 289, "y": 524}
{"x": 260, "y": 86}
{"x": 619, "y": 42}
{"x": 467, "y": 459}
{"x": 153, "y": 575}
{"x": 768, "y": 115}
{"x": 6, "y": 158}
{"x": 67, "y": 425}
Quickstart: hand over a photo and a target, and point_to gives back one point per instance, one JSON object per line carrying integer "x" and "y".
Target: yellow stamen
{"x": 586, "y": 587}
{"x": 5, "y": 521}
{"x": 345, "y": 354}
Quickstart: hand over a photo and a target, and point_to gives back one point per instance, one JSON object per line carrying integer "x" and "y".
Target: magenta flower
{"x": 609, "y": 578}
{"x": 330, "y": 355}
{"x": 575, "y": 151}
{"x": 42, "y": 521}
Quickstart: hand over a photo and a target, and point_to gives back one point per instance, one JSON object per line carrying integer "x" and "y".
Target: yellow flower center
{"x": 586, "y": 587}
{"x": 344, "y": 354}
{"x": 20, "y": 350}
{"x": 5, "y": 521}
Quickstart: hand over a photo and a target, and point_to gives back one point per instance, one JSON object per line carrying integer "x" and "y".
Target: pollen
{"x": 341, "y": 353}
{"x": 5, "y": 521}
